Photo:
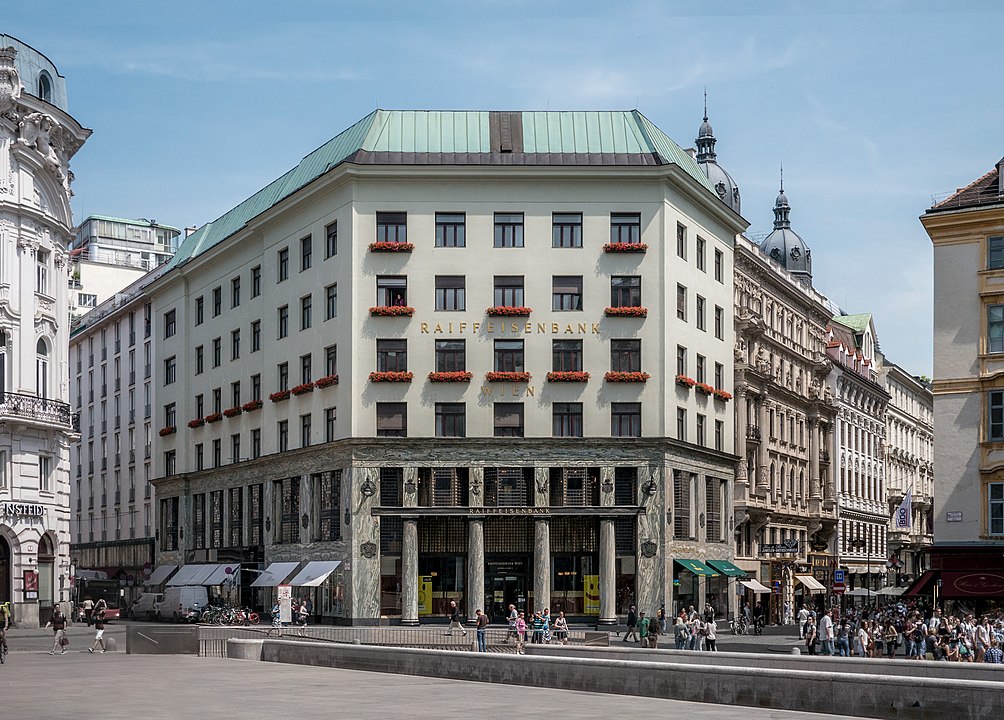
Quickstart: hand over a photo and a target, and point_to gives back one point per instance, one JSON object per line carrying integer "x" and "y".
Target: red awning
{"x": 923, "y": 585}
{"x": 972, "y": 583}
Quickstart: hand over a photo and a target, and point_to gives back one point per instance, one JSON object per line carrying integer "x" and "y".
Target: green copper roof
{"x": 409, "y": 137}
{"x": 857, "y": 323}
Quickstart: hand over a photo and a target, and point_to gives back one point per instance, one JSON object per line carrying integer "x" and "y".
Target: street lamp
{"x": 858, "y": 544}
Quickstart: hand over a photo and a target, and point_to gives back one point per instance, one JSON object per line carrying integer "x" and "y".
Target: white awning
{"x": 315, "y": 573}
{"x": 860, "y": 592}
{"x": 160, "y": 574}
{"x": 815, "y": 587}
{"x": 204, "y": 573}
{"x": 274, "y": 574}
{"x": 223, "y": 574}
{"x": 756, "y": 586}
{"x": 188, "y": 574}
{"x": 892, "y": 590}
{"x": 875, "y": 569}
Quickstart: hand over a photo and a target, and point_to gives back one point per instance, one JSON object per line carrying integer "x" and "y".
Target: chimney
{"x": 190, "y": 230}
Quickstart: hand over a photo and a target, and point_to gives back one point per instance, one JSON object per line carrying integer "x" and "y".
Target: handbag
{"x": 64, "y": 641}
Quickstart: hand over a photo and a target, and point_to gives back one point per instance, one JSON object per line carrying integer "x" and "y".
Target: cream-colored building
{"x": 38, "y": 137}
{"x": 443, "y": 351}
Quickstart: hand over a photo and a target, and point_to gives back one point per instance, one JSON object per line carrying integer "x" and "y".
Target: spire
{"x": 705, "y": 136}
{"x": 781, "y": 207}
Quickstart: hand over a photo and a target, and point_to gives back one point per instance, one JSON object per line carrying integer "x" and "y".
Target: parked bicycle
{"x": 738, "y": 625}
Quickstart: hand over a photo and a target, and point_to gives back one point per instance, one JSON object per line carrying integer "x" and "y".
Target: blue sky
{"x": 872, "y": 107}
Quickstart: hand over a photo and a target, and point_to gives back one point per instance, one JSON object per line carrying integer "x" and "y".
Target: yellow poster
{"x": 591, "y": 590}
{"x": 425, "y": 595}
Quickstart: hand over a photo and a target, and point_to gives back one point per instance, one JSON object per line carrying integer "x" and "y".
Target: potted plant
{"x": 214, "y": 417}
{"x": 326, "y": 381}
{"x": 622, "y": 247}
{"x": 391, "y": 247}
{"x": 568, "y": 376}
{"x": 196, "y": 423}
{"x": 169, "y": 430}
{"x": 392, "y": 311}
{"x": 723, "y": 395}
{"x": 509, "y": 311}
{"x": 251, "y": 405}
{"x": 510, "y": 377}
{"x": 232, "y": 412}
{"x": 455, "y": 376}
{"x": 307, "y": 387}
{"x": 630, "y": 311}
{"x": 684, "y": 381}
{"x": 391, "y": 376}
{"x": 626, "y": 377}
{"x": 704, "y": 388}
{"x": 279, "y": 396}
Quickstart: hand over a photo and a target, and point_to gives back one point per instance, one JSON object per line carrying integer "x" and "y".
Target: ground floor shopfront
{"x": 587, "y": 528}
{"x": 962, "y": 578}
{"x": 34, "y": 565}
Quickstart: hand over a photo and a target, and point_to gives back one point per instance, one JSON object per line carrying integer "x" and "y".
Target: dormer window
{"x": 44, "y": 87}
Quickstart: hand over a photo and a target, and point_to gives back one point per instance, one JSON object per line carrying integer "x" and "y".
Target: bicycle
{"x": 738, "y": 625}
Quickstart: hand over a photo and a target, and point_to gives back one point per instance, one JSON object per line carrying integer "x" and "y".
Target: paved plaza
{"x": 184, "y": 686}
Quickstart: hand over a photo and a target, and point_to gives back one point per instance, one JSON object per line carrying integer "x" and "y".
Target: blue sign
{"x": 838, "y": 576}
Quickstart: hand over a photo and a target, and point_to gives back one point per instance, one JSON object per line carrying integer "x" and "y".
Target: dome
{"x": 725, "y": 186}
{"x": 705, "y": 130}
{"x": 785, "y": 247}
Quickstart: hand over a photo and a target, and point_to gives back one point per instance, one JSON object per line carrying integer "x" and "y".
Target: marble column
{"x": 742, "y": 481}
{"x": 826, "y": 476}
{"x": 762, "y": 485}
{"x": 814, "y": 485}
{"x": 541, "y": 564}
{"x": 608, "y": 580}
{"x": 475, "y": 568}
{"x": 409, "y": 572}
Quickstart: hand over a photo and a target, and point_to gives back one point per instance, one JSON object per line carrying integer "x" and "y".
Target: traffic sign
{"x": 838, "y": 577}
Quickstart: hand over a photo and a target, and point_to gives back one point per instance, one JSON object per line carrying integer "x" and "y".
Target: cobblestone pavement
{"x": 157, "y": 687}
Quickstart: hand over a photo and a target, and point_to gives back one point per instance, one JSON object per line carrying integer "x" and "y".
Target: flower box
{"x": 704, "y": 388}
{"x": 723, "y": 395}
{"x": 458, "y": 376}
{"x": 684, "y": 381}
{"x": 214, "y": 417}
{"x": 391, "y": 247}
{"x": 326, "y": 381}
{"x": 392, "y": 311}
{"x": 391, "y": 376}
{"x": 279, "y": 396}
{"x": 169, "y": 430}
{"x": 510, "y": 377}
{"x": 626, "y": 377}
{"x": 626, "y": 312}
{"x": 196, "y": 423}
{"x": 251, "y": 405}
{"x": 307, "y": 387}
{"x": 232, "y": 412}
{"x": 620, "y": 247}
{"x": 569, "y": 376}
{"x": 508, "y": 311}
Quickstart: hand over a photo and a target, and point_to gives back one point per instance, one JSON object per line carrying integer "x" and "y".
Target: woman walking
{"x": 653, "y": 633}
{"x": 811, "y": 636}
{"x": 520, "y": 633}
{"x": 99, "y": 631}
{"x": 709, "y": 641}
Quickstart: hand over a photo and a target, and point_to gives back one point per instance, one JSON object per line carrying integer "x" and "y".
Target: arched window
{"x": 42, "y": 369}
{"x": 44, "y": 86}
{"x": 773, "y": 487}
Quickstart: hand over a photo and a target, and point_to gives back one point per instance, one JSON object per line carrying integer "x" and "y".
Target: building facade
{"x": 37, "y": 139}
{"x": 330, "y": 384}
{"x": 967, "y": 231}
{"x": 108, "y": 254}
{"x": 909, "y": 466}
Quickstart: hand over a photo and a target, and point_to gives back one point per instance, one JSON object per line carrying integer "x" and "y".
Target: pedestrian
{"x": 301, "y": 617}
{"x": 643, "y": 624}
{"x": 681, "y": 632}
{"x": 632, "y": 624}
{"x": 520, "y": 634}
{"x": 862, "y": 640}
{"x": 842, "y": 642}
{"x": 546, "y": 617}
{"x": 58, "y": 623}
{"x": 662, "y": 619}
{"x": 537, "y": 625}
{"x": 890, "y": 636}
{"x": 826, "y": 632}
{"x": 993, "y": 653}
{"x": 511, "y": 632}
{"x": 803, "y": 616}
{"x": 454, "y": 615}
{"x": 710, "y": 635}
{"x": 481, "y": 627}
{"x": 99, "y": 631}
{"x": 694, "y": 626}
{"x": 88, "y": 606}
{"x": 653, "y": 633}
{"x": 811, "y": 635}
{"x": 561, "y": 628}
{"x": 787, "y": 613}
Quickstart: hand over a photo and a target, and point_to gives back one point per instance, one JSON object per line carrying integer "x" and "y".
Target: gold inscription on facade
{"x": 514, "y": 391}
{"x": 510, "y": 328}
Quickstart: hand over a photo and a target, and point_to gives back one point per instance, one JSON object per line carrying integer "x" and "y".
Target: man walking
{"x": 632, "y": 624}
{"x": 4, "y": 626}
{"x": 643, "y": 629}
{"x": 803, "y": 615}
{"x": 454, "y": 616}
{"x": 482, "y": 631}
{"x": 99, "y": 631}
{"x": 826, "y": 632}
{"x": 58, "y": 623}
{"x": 513, "y": 616}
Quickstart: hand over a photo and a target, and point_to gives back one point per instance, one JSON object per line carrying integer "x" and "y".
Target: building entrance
{"x": 506, "y": 584}
{"x": 5, "y": 571}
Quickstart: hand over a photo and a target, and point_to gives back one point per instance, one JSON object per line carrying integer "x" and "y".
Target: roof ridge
{"x": 964, "y": 189}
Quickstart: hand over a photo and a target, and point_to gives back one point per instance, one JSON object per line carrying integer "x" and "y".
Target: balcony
{"x": 118, "y": 421}
{"x": 824, "y": 456}
{"x": 104, "y": 426}
{"x": 118, "y": 346}
{"x": 146, "y": 452}
{"x": 90, "y": 360}
{"x": 146, "y": 412}
{"x": 146, "y": 371}
{"x": 90, "y": 467}
{"x": 753, "y": 433}
{"x": 29, "y": 407}
{"x": 104, "y": 353}
{"x": 118, "y": 384}
{"x": 104, "y": 499}
{"x": 104, "y": 389}
{"x": 132, "y": 416}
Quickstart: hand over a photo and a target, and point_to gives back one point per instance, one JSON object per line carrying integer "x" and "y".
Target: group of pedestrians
{"x": 691, "y": 630}
{"x": 542, "y": 628}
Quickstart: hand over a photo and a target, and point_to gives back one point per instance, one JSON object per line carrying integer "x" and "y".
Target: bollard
{"x": 357, "y": 641}
{"x": 111, "y": 644}
{"x": 796, "y": 651}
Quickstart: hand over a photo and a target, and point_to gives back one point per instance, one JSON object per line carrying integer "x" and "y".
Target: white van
{"x": 146, "y": 606}
{"x": 179, "y": 600}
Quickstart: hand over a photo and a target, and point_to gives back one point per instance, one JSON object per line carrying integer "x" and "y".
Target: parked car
{"x": 178, "y": 601}
{"x": 145, "y": 606}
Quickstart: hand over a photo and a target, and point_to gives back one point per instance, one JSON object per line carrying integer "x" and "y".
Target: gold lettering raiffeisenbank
{"x": 510, "y": 328}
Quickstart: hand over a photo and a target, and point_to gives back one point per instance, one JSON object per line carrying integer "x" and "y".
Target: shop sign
{"x": 30, "y": 585}
{"x": 13, "y": 509}
{"x": 425, "y": 595}
{"x": 591, "y": 588}
{"x": 788, "y": 546}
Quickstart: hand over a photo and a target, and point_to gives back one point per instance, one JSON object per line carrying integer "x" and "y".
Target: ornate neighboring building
{"x": 37, "y": 139}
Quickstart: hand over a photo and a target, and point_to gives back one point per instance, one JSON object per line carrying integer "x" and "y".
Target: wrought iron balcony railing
{"x": 36, "y": 408}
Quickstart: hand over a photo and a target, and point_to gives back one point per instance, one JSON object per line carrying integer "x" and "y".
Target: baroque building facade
{"x": 330, "y": 386}
{"x": 38, "y": 137}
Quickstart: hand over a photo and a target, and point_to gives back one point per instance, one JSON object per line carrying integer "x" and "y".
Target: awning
{"x": 861, "y": 592}
{"x": 891, "y": 590}
{"x": 727, "y": 568}
{"x": 203, "y": 574}
{"x": 226, "y": 573}
{"x": 188, "y": 574}
{"x": 756, "y": 586}
{"x": 696, "y": 567}
{"x": 875, "y": 569}
{"x": 160, "y": 574}
{"x": 815, "y": 587}
{"x": 972, "y": 583}
{"x": 922, "y": 585}
{"x": 315, "y": 573}
{"x": 274, "y": 574}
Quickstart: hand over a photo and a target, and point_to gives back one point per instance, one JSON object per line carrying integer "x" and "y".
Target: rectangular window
{"x": 625, "y": 419}
{"x": 681, "y": 504}
{"x": 44, "y": 472}
{"x": 235, "y": 292}
{"x": 200, "y": 406}
{"x": 331, "y": 301}
{"x": 256, "y": 281}
{"x": 681, "y": 303}
{"x": 681, "y": 424}
{"x": 255, "y": 443}
{"x": 282, "y": 263}
{"x": 256, "y": 386}
{"x": 235, "y": 344}
{"x": 306, "y": 252}
{"x": 392, "y": 419}
{"x": 700, "y": 254}
{"x": 509, "y": 356}
{"x": 392, "y": 227}
{"x": 329, "y": 496}
{"x": 719, "y": 265}
{"x": 392, "y": 356}
{"x": 287, "y": 491}
{"x": 681, "y": 241}
{"x": 995, "y": 328}
{"x": 566, "y": 355}
{"x": 625, "y": 291}
{"x": 255, "y": 335}
{"x": 566, "y": 292}
{"x": 235, "y": 448}
{"x": 625, "y": 355}
{"x": 305, "y": 369}
{"x": 305, "y": 430}
{"x": 256, "y": 514}
{"x": 508, "y": 291}
{"x": 451, "y": 230}
{"x": 508, "y": 419}
{"x": 719, "y": 376}
{"x": 713, "y": 509}
{"x": 995, "y": 253}
{"x": 283, "y": 378}
{"x": 200, "y": 457}
{"x": 170, "y": 416}
{"x": 566, "y": 230}
{"x": 282, "y": 433}
{"x": 236, "y": 505}
{"x": 199, "y": 310}
{"x": 329, "y": 424}
{"x": 306, "y": 306}
{"x": 170, "y": 370}
{"x": 331, "y": 240}
{"x": 508, "y": 230}
{"x": 451, "y": 355}
{"x": 392, "y": 290}
{"x": 42, "y": 272}
{"x": 170, "y": 462}
{"x": 235, "y": 393}
{"x": 566, "y": 419}
{"x": 451, "y": 420}
{"x": 995, "y": 508}
{"x": 625, "y": 228}
{"x": 170, "y": 323}
{"x": 451, "y": 292}
{"x": 700, "y": 313}
{"x": 217, "y": 400}
{"x": 701, "y": 372}
{"x": 719, "y": 435}
{"x": 283, "y": 321}
{"x": 199, "y": 520}
{"x": 331, "y": 360}
{"x": 719, "y": 323}
{"x": 995, "y": 426}
{"x": 217, "y": 301}
{"x": 217, "y": 352}
{"x": 701, "y": 430}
